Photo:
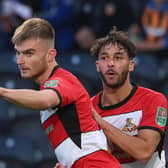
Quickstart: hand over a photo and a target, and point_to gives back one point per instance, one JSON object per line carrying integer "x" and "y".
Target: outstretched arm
{"x": 28, "y": 98}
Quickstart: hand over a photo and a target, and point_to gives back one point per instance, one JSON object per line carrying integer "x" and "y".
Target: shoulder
{"x": 150, "y": 94}
{"x": 60, "y": 77}
{"x": 95, "y": 98}
{"x": 62, "y": 74}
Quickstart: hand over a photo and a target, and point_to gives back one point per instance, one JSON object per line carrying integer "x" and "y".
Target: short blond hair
{"x": 34, "y": 28}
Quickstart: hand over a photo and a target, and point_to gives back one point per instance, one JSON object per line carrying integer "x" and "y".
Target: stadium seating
{"x": 30, "y": 127}
{"x": 83, "y": 66}
{"x": 5, "y": 117}
{"x": 142, "y": 74}
{"x": 16, "y": 152}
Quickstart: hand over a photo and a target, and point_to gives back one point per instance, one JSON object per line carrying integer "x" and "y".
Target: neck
{"x": 111, "y": 96}
{"x": 40, "y": 79}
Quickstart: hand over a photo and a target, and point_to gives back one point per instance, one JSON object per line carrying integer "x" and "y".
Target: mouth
{"x": 23, "y": 70}
{"x": 110, "y": 73}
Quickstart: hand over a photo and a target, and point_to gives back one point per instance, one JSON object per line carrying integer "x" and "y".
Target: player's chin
{"x": 26, "y": 76}
{"x": 111, "y": 81}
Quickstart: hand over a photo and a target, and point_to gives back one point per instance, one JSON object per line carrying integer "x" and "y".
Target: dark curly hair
{"x": 115, "y": 37}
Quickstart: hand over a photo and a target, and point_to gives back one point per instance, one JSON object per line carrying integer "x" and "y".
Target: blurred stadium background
{"x": 23, "y": 144}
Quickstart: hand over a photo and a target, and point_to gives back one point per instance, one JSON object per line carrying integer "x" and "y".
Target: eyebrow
{"x": 103, "y": 53}
{"x": 25, "y": 51}
{"x": 119, "y": 52}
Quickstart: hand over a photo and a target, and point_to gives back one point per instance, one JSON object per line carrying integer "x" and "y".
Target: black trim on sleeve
{"x": 58, "y": 96}
{"x": 160, "y": 145}
{"x": 153, "y": 128}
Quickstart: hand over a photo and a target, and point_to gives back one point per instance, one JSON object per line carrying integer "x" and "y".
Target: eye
{"x": 103, "y": 57}
{"x": 29, "y": 53}
{"x": 118, "y": 57}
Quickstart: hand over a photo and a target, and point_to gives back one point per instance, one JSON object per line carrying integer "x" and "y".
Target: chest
{"x": 128, "y": 122}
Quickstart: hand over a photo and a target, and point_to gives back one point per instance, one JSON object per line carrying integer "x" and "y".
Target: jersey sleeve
{"x": 65, "y": 89}
{"x": 154, "y": 112}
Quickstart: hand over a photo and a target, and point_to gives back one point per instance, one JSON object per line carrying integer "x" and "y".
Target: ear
{"x": 52, "y": 54}
{"x": 97, "y": 66}
{"x": 131, "y": 65}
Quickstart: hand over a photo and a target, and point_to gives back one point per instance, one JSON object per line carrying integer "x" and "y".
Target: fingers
{"x": 96, "y": 116}
{"x": 59, "y": 165}
{"x": 94, "y": 112}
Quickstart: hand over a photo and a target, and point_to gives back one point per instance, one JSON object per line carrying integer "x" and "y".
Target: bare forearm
{"x": 24, "y": 97}
{"x": 137, "y": 147}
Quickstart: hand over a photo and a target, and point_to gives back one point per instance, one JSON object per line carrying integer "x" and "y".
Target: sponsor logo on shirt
{"x": 51, "y": 83}
{"x": 161, "y": 116}
{"x": 49, "y": 129}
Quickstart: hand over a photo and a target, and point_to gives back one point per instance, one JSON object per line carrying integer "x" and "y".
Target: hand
{"x": 96, "y": 116}
{"x": 59, "y": 165}
{"x": 2, "y": 90}
{"x": 99, "y": 120}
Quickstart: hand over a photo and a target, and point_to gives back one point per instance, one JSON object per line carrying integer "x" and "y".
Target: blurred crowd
{"x": 79, "y": 22}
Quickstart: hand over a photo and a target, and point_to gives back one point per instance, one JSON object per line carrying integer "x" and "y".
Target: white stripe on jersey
{"x": 119, "y": 121}
{"x": 154, "y": 162}
{"x": 45, "y": 114}
{"x": 68, "y": 152}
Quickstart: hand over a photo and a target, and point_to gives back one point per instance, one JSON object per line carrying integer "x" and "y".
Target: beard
{"x": 121, "y": 78}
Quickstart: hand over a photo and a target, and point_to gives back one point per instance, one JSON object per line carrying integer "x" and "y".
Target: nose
{"x": 20, "y": 59}
{"x": 110, "y": 62}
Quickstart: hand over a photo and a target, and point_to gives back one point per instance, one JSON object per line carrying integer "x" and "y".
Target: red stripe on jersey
{"x": 55, "y": 130}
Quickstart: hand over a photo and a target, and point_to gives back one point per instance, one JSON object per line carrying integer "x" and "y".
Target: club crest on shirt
{"x": 129, "y": 126}
{"x": 51, "y": 83}
{"x": 161, "y": 116}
